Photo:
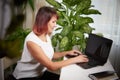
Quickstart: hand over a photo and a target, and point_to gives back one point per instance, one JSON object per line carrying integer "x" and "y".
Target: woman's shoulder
{"x": 31, "y": 36}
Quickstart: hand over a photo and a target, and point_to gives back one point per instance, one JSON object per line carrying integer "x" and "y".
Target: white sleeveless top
{"x": 27, "y": 66}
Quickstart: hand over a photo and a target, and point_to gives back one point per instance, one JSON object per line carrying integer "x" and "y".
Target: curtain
{"x": 30, "y": 15}
{"x": 109, "y": 25}
{"x": 5, "y": 17}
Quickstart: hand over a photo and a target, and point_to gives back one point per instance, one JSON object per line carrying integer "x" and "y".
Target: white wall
{"x": 109, "y": 24}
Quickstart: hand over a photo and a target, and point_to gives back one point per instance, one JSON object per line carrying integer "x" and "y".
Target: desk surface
{"x": 74, "y": 72}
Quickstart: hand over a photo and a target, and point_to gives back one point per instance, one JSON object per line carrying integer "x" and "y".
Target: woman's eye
{"x": 54, "y": 21}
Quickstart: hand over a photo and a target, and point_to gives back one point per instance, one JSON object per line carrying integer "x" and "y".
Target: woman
{"x": 38, "y": 52}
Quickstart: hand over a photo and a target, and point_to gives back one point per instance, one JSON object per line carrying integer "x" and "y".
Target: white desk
{"x": 74, "y": 72}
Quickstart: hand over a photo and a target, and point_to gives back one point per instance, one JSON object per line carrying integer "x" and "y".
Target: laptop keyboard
{"x": 90, "y": 64}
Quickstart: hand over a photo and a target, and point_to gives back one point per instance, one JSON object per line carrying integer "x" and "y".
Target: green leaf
{"x": 31, "y": 3}
{"x": 66, "y": 30}
{"x": 82, "y": 44}
{"x": 61, "y": 22}
{"x": 85, "y": 4}
{"x": 54, "y": 40}
{"x": 72, "y": 2}
{"x": 78, "y": 34}
{"x": 63, "y": 42}
{"x": 91, "y": 11}
{"x": 67, "y": 6}
{"x": 19, "y": 33}
{"x": 84, "y": 20}
{"x": 67, "y": 18}
{"x": 54, "y": 3}
{"x": 58, "y": 29}
{"x": 87, "y": 28}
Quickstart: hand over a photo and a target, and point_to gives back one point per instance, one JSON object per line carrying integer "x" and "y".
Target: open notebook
{"x": 97, "y": 49}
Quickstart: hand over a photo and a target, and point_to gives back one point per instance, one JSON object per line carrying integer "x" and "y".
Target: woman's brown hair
{"x": 43, "y": 16}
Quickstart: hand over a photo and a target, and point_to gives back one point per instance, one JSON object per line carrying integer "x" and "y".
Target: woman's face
{"x": 52, "y": 24}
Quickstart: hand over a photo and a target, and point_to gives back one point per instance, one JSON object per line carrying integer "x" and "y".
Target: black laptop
{"x": 97, "y": 50}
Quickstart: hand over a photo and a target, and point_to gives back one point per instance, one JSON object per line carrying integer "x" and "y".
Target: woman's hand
{"x": 73, "y": 53}
{"x": 77, "y": 55}
{"x": 81, "y": 58}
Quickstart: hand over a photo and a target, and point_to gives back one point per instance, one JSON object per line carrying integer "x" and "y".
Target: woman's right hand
{"x": 81, "y": 58}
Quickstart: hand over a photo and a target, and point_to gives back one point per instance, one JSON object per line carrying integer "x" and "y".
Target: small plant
{"x": 12, "y": 42}
{"x": 12, "y": 45}
{"x": 74, "y": 22}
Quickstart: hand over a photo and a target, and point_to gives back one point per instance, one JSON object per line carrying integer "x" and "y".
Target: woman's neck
{"x": 43, "y": 37}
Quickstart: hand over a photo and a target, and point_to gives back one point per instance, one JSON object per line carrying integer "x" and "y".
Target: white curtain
{"x": 5, "y": 16}
{"x": 109, "y": 25}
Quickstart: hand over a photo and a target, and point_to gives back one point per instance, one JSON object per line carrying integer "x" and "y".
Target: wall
{"x": 109, "y": 24}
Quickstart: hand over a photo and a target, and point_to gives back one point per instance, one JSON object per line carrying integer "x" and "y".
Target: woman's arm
{"x": 61, "y": 54}
{"x": 40, "y": 56}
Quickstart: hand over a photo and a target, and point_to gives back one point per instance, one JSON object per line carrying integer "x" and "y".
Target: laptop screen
{"x": 98, "y": 47}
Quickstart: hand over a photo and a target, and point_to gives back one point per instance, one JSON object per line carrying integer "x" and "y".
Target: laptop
{"x": 97, "y": 49}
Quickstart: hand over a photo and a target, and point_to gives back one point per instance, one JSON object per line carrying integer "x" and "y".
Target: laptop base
{"x": 90, "y": 64}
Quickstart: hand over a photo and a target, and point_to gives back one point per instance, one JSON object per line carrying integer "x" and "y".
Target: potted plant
{"x": 11, "y": 44}
{"x": 74, "y": 22}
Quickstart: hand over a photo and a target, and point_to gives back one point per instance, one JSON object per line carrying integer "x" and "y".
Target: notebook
{"x": 103, "y": 75}
{"x": 97, "y": 49}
